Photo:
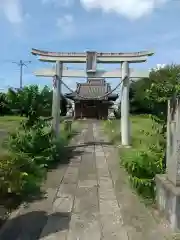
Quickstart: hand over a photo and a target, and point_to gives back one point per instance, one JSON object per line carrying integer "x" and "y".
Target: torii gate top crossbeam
{"x": 73, "y": 57}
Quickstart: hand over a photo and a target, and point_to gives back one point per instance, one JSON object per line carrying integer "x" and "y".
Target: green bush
{"x": 142, "y": 168}
{"x": 146, "y": 157}
{"x": 142, "y": 165}
{"x": 37, "y": 142}
{"x": 30, "y": 99}
{"x": 32, "y": 150}
{"x": 19, "y": 175}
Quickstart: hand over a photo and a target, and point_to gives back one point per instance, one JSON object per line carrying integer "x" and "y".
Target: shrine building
{"x": 92, "y": 107}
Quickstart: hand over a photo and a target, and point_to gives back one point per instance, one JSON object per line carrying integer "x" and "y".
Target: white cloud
{"x": 58, "y": 3}
{"x": 66, "y": 25}
{"x": 66, "y": 19}
{"x": 132, "y": 9}
{"x": 12, "y": 10}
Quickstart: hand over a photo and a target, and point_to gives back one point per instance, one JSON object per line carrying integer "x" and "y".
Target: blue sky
{"x": 80, "y": 25}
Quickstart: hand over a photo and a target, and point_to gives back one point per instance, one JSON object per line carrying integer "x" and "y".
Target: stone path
{"x": 89, "y": 199}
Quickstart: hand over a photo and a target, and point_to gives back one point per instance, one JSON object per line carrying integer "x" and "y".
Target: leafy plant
{"x": 4, "y": 104}
{"x": 19, "y": 174}
{"x": 32, "y": 149}
{"x": 143, "y": 165}
{"x": 30, "y": 100}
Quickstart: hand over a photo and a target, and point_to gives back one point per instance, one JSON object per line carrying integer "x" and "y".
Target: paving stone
{"x": 59, "y": 235}
{"x": 56, "y": 227}
{"x": 103, "y": 172}
{"x": 105, "y": 181}
{"x": 99, "y": 154}
{"x": 86, "y": 200}
{"x": 105, "y": 193}
{"x": 75, "y": 162}
{"x": 89, "y": 182}
{"x": 101, "y": 162}
{"x": 84, "y": 227}
{"x": 67, "y": 190}
{"x": 71, "y": 175}
{"x": 108, "y": 206}
{"x": 87, "y": 175}
{"x": 63, "y": 205}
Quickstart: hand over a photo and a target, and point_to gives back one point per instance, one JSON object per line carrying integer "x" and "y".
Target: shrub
{"x": 37, "y": 142}
{"x": 142, "y": 168}
{"x": 146, "y": 157}
{"x": 19, "y": 175}
{"x": 143, "y": 164}
{"x": 30, "y": 99}
{"x": 150, "y": 95}
{"x": 32, "y": 149}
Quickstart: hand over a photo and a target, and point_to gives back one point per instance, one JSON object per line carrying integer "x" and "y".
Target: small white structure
{"x": 111, "y": 115}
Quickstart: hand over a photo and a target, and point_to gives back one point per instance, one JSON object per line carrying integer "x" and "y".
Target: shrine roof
{"x": 93, "y": 89}
{"x": 95, "y": 81}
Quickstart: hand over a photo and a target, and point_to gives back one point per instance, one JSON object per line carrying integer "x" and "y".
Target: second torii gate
{"x": 91, "y": 59}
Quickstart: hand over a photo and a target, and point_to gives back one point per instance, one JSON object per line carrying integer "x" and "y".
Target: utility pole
{"x": 21, "y": 63}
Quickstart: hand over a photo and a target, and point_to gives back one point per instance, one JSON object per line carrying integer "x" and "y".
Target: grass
{"x": 9, "y": 124}
{"x": 144, "y": 159}
{"x": 142, "y": 133}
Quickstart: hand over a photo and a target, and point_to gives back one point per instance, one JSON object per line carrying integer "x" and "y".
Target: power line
{"x": 21, "y": 64}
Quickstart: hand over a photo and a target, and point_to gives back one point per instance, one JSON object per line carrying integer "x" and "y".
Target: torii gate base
{"x": 91, "y": 59}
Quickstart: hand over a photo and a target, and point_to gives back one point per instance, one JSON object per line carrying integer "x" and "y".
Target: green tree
{"x": 164, "y": 84}
{"x": 30, "y": 101}
{"x": 137, "y": 95}
{"x": 4, "y": 104}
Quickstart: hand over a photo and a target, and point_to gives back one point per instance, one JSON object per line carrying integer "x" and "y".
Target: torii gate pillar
{"x": 57, "y": 98}
{"x": 125, "y": 124}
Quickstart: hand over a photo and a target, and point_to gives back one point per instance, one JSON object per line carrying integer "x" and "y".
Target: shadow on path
{"x": 32, "y": 225}
{"x": 86, "y": 144}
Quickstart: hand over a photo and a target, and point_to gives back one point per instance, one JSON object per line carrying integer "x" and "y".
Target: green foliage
{"x": 37, "y": 142}
{"x": 143, "y": 165}
{"x": 164, "y": 84}
{"x": 142, "y": 168}
{"x": 150, "y": 95}
{"x": 146, "y": 157}
{"x": 32, "y": 148}
{"x": 29, "y": 100}
{"x": 139, "y": 104}
{"x": 19, "y": 175}
{"x": 4, "y": 107}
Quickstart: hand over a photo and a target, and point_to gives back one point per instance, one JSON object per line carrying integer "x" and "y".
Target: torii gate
{"x": 91, "y": 59}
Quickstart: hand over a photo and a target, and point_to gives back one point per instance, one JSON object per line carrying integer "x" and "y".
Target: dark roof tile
{"x": 93, "y": 89}
{"x": 96, "y": 81}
